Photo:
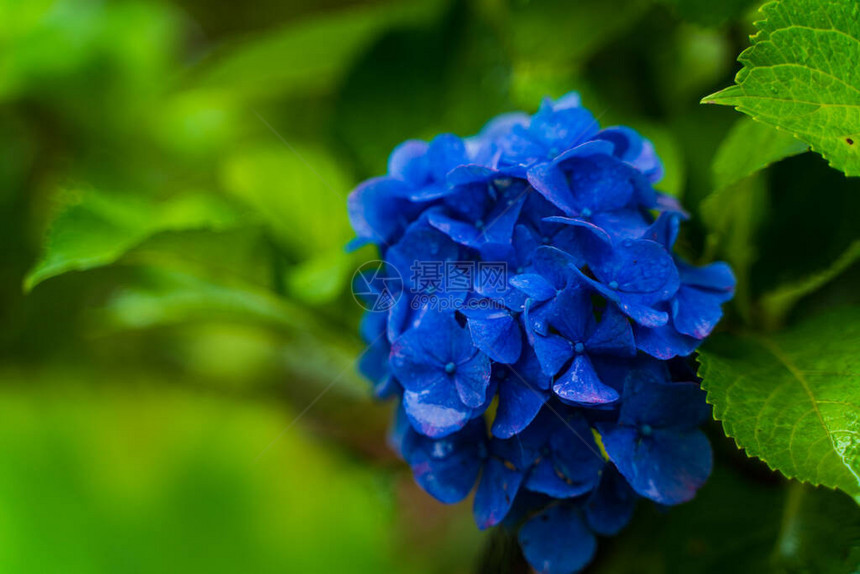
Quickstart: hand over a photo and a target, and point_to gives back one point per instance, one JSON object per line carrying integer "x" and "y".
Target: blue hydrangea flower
{"x": 536, "y": 344}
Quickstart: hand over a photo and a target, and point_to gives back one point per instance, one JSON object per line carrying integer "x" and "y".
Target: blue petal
{"x": 496, "y": 492}
{"x": 534, "y": 286}
{"x": 598, "y": 183}
{"x": 695, "y": 312}
{"x": 408, "y": 162}
{"x": 668, "y": 467}
{"x": 374, "y": 365}
{"x": 610, "y": 507}
{"x": 716, "y": 277}
{"x": 635, "y": 150}
{"x": 613, "y": 334}
{"x": 639, "y": 267}
{"x": 463, "y": 233}
{"x": 378, "y": 211}
{"x": 437, "y": 411}
{"x": 557, "y": 541}
{"x": 665, "y": 230}
{"x": 572, "y": 314}
{"x": 661, "y": 405}
{"x": 413, "y": 366}
{"x": 519, "y": 403}
{"x": 446, "y": 151}
{"x": 447, "y": 468}
{"x": 498, "y": 335}
{"x": 550, "y": 181}
{"x": 472, "y": 378}
{"x": 664, "y": 342}
{"x": 580, "y": 384}
{"x": 552, "y": 352}
{"x": 559, "y": 129}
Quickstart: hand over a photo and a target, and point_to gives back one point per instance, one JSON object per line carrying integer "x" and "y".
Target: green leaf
{"x": 776, "y": 304}
{"x": 316, "y": 351}
{"x": 300, "y": 192}
{"x": 801, "y": 75}
{"x": 749, "y": 147}
{"x": 793, "y": 399}
{"x": 732, "y": 217}
{"x": 94, "y": 229}
{"x": 820, "y": 532}
{"x": 306, "y": 57}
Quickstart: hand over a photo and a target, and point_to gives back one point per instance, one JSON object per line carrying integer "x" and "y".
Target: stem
{"x": 502, "y": 554}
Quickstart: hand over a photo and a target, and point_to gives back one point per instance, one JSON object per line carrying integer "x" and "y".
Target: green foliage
{"x": 748, "y": 148}
{"x": 792, "y": 399}
{"x": 182, "y": 482}
{"x": 191, "y": 159}
{"x": 95, "y": 229}
{"x": 306, "y": 57}
{"x": 800, "y": 75}
{"x": 778, "y": 303}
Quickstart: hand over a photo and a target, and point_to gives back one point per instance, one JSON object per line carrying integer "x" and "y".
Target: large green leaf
{"x": 94, "y": 228}
{"x": 749, "y": 147}
{"x": 801, "y": 75}
{"x": 793, "y": 399}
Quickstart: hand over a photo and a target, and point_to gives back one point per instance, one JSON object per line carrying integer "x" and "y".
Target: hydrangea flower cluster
{"x": 559, "y": 391}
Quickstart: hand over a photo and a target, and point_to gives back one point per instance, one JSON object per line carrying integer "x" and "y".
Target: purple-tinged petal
{"x": 580, "y": 384}
{"x": 436, "y": 412}
{"x": 695, "y": 312}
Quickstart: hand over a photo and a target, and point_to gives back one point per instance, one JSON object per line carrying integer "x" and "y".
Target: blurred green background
{"x": 177, "y": 382}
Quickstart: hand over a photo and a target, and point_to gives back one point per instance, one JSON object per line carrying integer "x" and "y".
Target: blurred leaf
{"x": 182, "y": 482}
{"x": 315, "y": 351}
{"x": 738, "y": 525}
{"x": 555, "y": 33}
{"x": 321, "y": 279}
{"x": 732, "y": 217}
{"x": 309, "y": 56}
{"x": 300, "y": 192}
{"x": 750, "y": 147}
{"x": 708, "y": 13}
{"x": 450, "y": 78}
{"x": 820, "y": 533}
{"x": 94, "y": 228}
{"x": 793, "y": 399}
{"x": 800, "y": 75}
{"x": 778, "y": 303}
